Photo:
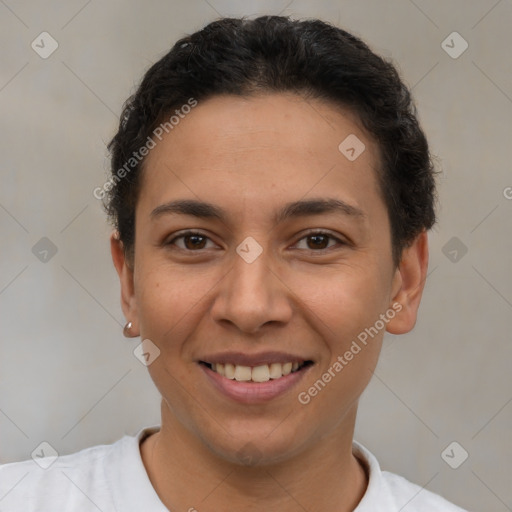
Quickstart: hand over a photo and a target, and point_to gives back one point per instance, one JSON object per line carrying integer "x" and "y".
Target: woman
{"x": 271, "y": 193}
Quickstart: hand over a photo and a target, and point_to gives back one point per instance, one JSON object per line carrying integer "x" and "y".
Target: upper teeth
{"x": 261, "y": 373}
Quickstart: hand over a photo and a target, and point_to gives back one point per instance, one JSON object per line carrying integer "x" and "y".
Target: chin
{"x": 262, "y": 447}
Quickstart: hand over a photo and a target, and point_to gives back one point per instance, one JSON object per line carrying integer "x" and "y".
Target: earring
{"x": 126, "y": 330}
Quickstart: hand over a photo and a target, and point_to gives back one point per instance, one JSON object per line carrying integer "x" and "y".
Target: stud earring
{"x": 126, "y": 330}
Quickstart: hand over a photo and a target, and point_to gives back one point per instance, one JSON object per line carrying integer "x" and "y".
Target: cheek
{"x": 344, "y": 309}
{"x": 342, "y": 302}
{"x": 170, "y": 301}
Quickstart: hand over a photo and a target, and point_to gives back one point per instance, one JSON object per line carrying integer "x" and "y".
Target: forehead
{"x": 254, "y": 151}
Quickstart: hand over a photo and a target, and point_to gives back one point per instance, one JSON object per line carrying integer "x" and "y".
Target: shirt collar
{"x": 376, "y": 498}
{"x": 132, "y": 489}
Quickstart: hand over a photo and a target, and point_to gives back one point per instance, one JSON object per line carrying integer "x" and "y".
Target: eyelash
{"x": 307, "y": 235}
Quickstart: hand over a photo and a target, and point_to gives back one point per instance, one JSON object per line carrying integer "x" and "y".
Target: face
{"x": 289, "y": 262}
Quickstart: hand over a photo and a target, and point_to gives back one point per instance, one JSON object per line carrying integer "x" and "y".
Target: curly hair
{"x": 312, "y": 58}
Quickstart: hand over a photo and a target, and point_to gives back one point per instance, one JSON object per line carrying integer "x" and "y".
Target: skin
{"x": 250, "y": 156}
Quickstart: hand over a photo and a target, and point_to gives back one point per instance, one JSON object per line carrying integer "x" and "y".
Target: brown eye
{"x": 319, "y": 240}
{"x": 192, "y": 241}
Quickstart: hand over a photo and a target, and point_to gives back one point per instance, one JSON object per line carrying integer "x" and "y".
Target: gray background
{"x": 68, "y": 376}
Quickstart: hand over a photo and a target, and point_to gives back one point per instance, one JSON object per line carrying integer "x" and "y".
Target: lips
{"x": 254, "y": 377}
{"x": 258, "y": 389}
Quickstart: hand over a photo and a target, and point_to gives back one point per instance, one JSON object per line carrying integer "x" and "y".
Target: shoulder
{"x": 388, "y": 492}
{"x": 410, "y": 497}
{"x": 77, "y": 481}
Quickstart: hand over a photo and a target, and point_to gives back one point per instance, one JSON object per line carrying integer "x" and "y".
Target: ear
{"x": 125, "y": 273}
{"x": 408, "y": 285}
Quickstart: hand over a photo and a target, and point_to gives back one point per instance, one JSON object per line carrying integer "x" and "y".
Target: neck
{"x": 188, "y": 476}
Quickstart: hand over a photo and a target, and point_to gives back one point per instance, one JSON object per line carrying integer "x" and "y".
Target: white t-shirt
{"x": 112, "y": 478}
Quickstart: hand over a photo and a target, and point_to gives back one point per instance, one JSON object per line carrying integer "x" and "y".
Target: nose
{"x": 252, "y": 295}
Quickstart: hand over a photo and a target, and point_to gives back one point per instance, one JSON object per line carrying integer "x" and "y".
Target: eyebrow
{"x": 303, "y": 208}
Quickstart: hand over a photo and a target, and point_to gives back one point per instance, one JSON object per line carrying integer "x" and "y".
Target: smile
{"x": 261, "y": 373}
